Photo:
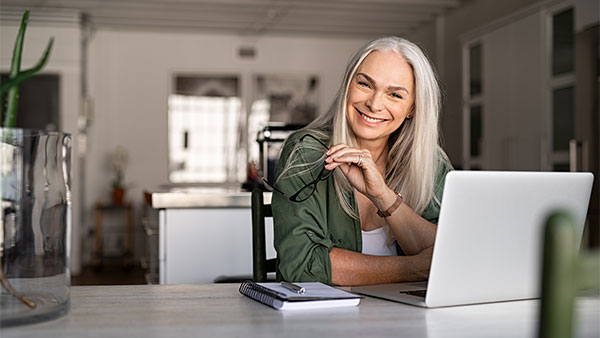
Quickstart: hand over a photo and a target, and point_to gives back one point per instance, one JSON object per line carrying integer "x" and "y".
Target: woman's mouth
{"x": 368, "y": 118}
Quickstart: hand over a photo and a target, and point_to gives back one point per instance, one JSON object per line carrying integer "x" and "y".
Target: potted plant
{"x": 119, "y": 161}
{"x": 35, "y": 208}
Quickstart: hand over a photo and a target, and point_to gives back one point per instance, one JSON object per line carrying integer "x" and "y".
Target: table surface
{"x": 219, "y": 310}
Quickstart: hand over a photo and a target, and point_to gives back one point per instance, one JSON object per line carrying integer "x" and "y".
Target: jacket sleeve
{"x": 302, "y": 239}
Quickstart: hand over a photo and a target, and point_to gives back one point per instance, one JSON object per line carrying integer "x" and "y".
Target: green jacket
{"x": 306, "y": 231}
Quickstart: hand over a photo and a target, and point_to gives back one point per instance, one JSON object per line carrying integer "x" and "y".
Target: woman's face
{"x": 380, "y": 96}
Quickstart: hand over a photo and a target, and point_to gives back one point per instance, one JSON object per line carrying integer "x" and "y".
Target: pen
{"x": 293, "y": 287}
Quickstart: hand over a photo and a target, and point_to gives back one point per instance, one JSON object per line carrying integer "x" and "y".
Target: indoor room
{"x": 144, "y": 142}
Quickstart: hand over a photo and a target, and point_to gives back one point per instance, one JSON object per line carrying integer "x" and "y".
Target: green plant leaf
{"x": 26, "y": 74}
{"x": 10, "y": 119}
{"x": 11, "y": 87}
{"x": 17, "y": 52}
{"x": 12, "y": 100}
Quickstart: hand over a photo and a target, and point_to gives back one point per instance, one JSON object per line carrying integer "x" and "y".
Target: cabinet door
{"x": 203, "y": 244}
{"x": 513, "y": 122}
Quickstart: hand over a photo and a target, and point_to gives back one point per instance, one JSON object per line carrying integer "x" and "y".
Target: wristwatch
{"x": 391, "y": 209}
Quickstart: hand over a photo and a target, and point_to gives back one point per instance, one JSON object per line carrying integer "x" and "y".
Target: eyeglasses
{"x": 305, "y": 192}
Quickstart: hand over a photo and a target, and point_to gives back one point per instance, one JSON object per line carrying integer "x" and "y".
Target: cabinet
{"x": 201, "y": 245}
{"x": 208, "y": 241}
{"x": 514, "y": 125}
{"x": 204, "y": 234}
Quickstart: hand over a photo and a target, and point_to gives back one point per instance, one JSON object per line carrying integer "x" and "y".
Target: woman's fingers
{"x": 333, "y": 165}
{"x": 358, "y": 158}
{"x": 335, "y": 148}
{"x": 344, "y": 153}
{"x": 358, "y": 166}
{"x": 341, "y": 154}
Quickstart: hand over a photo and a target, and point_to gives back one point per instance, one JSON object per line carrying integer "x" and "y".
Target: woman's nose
{"x": 375, "y": 102}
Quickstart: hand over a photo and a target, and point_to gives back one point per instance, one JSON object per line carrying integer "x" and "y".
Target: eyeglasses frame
{"x": 320, "y": 177}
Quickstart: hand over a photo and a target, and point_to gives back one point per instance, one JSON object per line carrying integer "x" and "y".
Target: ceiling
{"x": 344, "y": 18}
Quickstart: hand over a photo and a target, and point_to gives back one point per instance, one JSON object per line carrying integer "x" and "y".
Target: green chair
{"x": 260, "y": 264}
{"x": 565, "y": 272}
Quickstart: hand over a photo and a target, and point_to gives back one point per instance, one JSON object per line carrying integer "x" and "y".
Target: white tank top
{"x": 374, "y": 243}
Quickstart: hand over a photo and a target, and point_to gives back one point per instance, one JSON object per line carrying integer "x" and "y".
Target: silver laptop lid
{"x": 490, "y": 232}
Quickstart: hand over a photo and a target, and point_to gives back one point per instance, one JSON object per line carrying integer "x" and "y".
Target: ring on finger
{"x": 360, "y": 159}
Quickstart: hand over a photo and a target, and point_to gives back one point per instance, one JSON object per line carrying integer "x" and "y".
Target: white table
{"x": 219, "y": 310}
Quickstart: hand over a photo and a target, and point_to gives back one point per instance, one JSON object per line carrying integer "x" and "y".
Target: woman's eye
{"x": 396, "y": 96}
{"x": 363, "y": 84}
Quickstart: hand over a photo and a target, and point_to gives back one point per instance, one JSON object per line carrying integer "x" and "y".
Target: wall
{"x": 65, "y": 61}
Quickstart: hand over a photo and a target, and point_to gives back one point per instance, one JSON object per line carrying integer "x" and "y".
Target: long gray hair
{"x": 414, "y": 150}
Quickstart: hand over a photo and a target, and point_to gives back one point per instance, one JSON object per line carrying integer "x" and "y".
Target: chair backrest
{"x": 565, "y": 272}
{"x": 260, "y": 264}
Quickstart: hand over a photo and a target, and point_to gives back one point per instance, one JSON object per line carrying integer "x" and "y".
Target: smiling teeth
{"x": 371, "y": 119}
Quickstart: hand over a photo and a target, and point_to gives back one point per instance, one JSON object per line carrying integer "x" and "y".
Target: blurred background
{"x": 161, "y": 95}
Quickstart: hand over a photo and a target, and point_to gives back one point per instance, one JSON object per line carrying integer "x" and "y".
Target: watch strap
{"x": 389, "y": 211}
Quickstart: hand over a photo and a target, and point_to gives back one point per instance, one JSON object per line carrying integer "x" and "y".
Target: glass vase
{"x": 35, "y": 225}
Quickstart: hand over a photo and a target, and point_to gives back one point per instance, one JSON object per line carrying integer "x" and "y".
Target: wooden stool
{"x": 99, "y": 209}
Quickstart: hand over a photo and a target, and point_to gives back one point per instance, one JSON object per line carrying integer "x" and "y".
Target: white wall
{"x": 65, "y": 61}
{"x": 131, "y": 78}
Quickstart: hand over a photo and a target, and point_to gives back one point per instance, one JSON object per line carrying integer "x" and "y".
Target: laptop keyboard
{"x": 418, "y": 293}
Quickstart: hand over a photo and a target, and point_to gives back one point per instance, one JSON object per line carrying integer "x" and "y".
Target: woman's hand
{"x": 360, "y": 169}
{"x": 422, "y": 263}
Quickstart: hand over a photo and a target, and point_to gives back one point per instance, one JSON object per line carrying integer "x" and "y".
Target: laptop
{"x": 488, "y": 246}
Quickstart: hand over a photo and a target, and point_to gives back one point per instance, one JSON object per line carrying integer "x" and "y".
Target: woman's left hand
{"x": 360, "y": 169}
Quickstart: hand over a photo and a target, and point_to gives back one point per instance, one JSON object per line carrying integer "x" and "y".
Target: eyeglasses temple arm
{"x": 272, "y": 188}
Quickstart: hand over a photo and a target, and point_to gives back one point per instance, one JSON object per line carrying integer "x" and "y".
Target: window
{"x": 473, "y": 113}
{"x": 475, "y": 70}
{"x": 562, "y": 42}
{"x": 562, "y": 117}
{"x": 204, "y": 130}
{"x": 561, "y": 87}
{"x": 284, "y": 99}
{"x": 475, "y": 133}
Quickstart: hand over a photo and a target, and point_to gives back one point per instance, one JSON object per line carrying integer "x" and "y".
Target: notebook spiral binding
{"x": 260, "y": 293}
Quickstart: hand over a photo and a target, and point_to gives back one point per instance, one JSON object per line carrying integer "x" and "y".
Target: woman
{"x": 358, "y": 190}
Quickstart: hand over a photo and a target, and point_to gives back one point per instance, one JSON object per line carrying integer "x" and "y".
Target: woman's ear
{"x": 411, "y": 113}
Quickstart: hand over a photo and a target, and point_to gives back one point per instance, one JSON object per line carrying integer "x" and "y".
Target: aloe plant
{"x": 11, "y": 87}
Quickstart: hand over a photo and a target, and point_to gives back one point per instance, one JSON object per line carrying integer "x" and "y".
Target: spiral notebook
{"x": 317, "y": 296}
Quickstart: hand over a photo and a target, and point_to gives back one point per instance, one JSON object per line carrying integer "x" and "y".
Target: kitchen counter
{"x": 219, "y": 310}
{"x": 196, "y": 197}
{"x": 204, "y": 234}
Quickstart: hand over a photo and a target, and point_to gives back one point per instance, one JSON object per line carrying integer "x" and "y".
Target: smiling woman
{"x": 372, "y": 220}
{"x": 376, "y": 108}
